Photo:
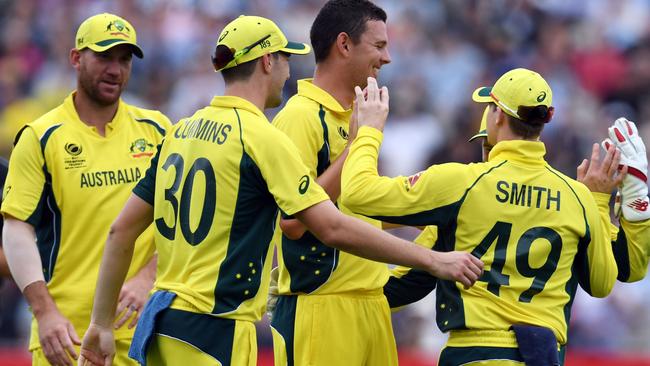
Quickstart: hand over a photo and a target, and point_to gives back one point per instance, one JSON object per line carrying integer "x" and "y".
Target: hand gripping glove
{"x": 634, "y": 189}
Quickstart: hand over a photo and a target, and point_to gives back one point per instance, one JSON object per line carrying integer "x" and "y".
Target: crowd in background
{"x": 595, "y": 55}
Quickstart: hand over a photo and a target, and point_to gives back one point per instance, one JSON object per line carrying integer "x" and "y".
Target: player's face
{"x": 103, "y": 75}
{"x": 485, "y": 148}
{"x": 280, "y": 75}
{"x": 371, "y": 53}
{"x": 491, "y": 120}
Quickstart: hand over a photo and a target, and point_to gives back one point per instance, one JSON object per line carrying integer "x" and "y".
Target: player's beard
{"x": 90, "y": 87}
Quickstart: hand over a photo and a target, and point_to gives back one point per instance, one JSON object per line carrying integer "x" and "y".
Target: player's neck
{"x": 335, "y": 84}
{"x": 248, "y": 91}
{"x": 93, "y": 113}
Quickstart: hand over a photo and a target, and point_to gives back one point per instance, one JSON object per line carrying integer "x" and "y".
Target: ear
{"x": 501, "y": 117}
{"x": 343, "y": 43}
{"x": 75, "y": 58}
{"x": 267, "y": 63}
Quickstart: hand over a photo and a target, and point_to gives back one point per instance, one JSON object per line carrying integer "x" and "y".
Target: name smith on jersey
{"x": 528, "y": 195}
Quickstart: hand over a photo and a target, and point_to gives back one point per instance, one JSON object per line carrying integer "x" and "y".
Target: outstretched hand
{"x": 372, "y": 108}
{"x": 603, "y": 176}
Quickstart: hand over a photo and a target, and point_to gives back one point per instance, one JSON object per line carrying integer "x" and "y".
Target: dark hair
{"x": 336, "y": 16}
{"x": 532, "y": 120}
{"x": 242, "y": 72}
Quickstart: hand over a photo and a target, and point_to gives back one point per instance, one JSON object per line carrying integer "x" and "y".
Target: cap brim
{"x": 110, "y": 43}
{"x": 482, "y": 95}
{"x": 296, "y": 48}
{"x": 482, "y": 133}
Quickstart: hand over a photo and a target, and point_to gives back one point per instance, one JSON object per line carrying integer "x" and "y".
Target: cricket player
{"x": 539, "y": 232}
{"x": 71, "y": 172}
{"x": 213, "y": 192}
{"x": 319, "y": 284}
{"x": 630, "y": 242}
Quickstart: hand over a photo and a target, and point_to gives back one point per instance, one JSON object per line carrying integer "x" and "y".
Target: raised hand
{"x": 372, "y": 109}
{"x": 634, "y": 187}
{"x": 601, "y": 176}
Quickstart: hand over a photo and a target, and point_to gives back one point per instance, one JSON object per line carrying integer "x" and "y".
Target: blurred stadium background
{"x": 595, "y": 54}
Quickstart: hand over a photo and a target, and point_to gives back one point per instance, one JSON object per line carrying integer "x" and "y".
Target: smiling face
{"x": 370, "y": 53}
{"x": 102, "y": 76}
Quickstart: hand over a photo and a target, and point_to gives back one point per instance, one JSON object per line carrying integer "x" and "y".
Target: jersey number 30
{"x": 182, "y": 213}
{"x": 500, "y": 233}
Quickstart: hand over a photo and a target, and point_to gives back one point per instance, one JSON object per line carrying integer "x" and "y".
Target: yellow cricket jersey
{"x": 70, "y": 183}
{"x": 318, "y": 125}
{"x": 216, "y": 185}
{"x": 631, "y": 244}
{"x": 408, "y": 285}
{"x": 539, "y": 233}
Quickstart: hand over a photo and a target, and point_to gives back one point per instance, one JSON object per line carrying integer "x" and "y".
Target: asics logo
{"x": 638, "y": 205}
{"x": 304, "y": 184}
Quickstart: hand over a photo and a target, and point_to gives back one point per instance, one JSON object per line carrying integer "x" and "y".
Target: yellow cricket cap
{"x": 516, "y": 88}
{"x": 250, "y": 37}
{"x": 103, "y": 31}
{"x": 482, "y": 130}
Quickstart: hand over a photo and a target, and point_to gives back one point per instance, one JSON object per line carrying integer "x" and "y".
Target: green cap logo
{"x": 119, "y": 25}
{"x": 541, "y": 96}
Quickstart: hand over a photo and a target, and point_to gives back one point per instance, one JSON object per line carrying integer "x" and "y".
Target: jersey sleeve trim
{"x": 324, "y": 152}
{"x": 153, "y": 123}
{"x": 438, "y": 215}
{"x": 146, "y": 187}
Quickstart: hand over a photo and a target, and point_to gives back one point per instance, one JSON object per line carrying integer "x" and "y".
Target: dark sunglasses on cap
{"x": 223, "y": 55}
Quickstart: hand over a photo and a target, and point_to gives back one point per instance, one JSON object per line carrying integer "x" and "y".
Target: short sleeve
{"x": 26, "y": 179}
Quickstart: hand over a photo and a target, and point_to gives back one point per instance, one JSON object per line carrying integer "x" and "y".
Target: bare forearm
{"x": 148, "y": 272}
{"x": 135, "y": 217}
{"x": 362, "y": 239}
{"x": 112, "y": 272}
{"x": 39, "y": 298}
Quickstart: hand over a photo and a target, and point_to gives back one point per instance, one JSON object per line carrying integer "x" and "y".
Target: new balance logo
{"x": 638, "y": 205}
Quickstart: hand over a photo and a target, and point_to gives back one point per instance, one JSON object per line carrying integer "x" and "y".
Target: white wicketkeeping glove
{"x": 272, "y": 300}
{"x": 634, "y": 189}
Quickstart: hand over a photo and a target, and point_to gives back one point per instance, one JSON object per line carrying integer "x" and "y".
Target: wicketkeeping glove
{"x": 634, "y": 189}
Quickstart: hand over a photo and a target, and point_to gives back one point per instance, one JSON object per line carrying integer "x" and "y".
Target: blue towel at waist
{"x": 158, "y": 302}
{"x": 537, "y": 345}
